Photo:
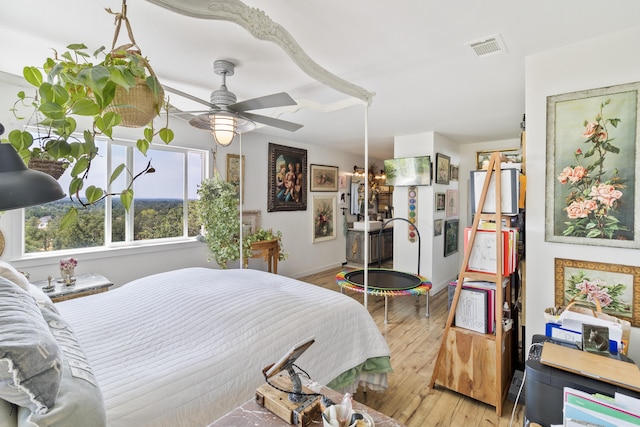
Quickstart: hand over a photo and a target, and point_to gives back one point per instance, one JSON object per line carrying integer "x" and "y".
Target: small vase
{"x": 68, "y": 276}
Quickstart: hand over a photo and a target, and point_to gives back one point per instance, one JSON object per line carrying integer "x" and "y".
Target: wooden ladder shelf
{"x": 475, "y": 364}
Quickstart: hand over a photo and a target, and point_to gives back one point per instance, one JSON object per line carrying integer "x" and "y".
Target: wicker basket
{"x": 55, "y": 168}
{"x": 137, "y": 106}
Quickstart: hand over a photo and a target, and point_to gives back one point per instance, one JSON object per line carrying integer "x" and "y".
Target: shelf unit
{"x": 475, "y": 364}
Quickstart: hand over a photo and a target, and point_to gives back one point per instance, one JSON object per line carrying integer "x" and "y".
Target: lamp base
{"x": 298, "y": 413}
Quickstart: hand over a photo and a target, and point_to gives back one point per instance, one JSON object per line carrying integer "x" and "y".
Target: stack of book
{"x": 483, "y": 252}
{"x": 476, "y": 309}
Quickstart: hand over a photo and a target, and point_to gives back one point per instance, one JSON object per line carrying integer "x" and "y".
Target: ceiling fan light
{"x": 223, "y": 128}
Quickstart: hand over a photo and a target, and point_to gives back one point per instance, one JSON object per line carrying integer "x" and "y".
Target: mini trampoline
{"x": 387, "y": 282}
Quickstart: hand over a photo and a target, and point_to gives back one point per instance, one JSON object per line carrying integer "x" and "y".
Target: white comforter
{"x": 183, "y": 348}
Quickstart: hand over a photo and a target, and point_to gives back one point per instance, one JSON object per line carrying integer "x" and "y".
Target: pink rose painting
{"x": 594, "y": 153}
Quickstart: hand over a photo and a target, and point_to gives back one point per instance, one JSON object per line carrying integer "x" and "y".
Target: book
{"x": 472, "y": 310}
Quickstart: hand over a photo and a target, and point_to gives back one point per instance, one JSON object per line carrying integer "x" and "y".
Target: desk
{"x": 267, "y": 250}
{"x": 251, "y": 414}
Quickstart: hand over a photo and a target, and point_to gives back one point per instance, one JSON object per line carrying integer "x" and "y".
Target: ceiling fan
{"x": 226, "y": 117}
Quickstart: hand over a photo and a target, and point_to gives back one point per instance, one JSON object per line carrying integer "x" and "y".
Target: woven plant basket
{"x": 138, "y": 106}
{"x": 55, "y": 168}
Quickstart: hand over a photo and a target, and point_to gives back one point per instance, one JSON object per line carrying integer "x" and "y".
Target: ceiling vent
{"x": 490, "y": 45}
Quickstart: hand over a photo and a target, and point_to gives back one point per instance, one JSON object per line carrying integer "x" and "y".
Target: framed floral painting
{"x": 324, "y": 218}
{"x": 592, "y": 140}
{"x": 615, "y": 286}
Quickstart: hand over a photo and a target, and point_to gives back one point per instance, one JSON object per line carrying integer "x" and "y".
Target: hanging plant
{"x": 75, "y": 84}
{"x": 220, "y": 216}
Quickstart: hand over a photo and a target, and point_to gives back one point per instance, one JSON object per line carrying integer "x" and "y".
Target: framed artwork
{"x": 442, "y": 168}
{"x": 441, "y": 201}
{"x": 452, "y": 203}
{"x": 324, "y": 178}
{"x": 342, "y": 182}
{"x": 592, "y": 182}
{"x": 616, "y": 286}
{"x": 287, "y": 185}
{"x": 437, "y": 227}
{"x": 450, "y": 237}
{"x": 453, "y": 172}
{"x": 250, "y": 222}
{"x": 324, "y": 218}
{"x": 233, "y": 172}
{"x": 509, "y": 155}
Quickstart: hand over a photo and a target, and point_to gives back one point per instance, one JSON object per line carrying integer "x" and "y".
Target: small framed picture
{"x": 450, "y": 237}
{"x": 324, "y": 218}
{"x": 453, "y": 173}
{"x": 233, "y": 172}
{"x": 437, "y": 227}
{"x": 442, "y": 168}
{"x": 441, "y": 201}
{"x": 324, "y": 178}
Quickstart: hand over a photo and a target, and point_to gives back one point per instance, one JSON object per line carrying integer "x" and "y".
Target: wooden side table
{"x": 86, "y": 284}
{"x": 267, "y": 250}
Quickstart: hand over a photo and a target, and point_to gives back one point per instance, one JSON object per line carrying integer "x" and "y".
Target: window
{"x": 163, "y": 206}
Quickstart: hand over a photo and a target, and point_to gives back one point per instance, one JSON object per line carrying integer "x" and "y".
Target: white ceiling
{"x": 412, "y": 54}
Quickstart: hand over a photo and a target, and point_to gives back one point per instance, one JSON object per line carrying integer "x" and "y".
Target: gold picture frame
{"x": 617, "y": 286}
{"x": 509, "y": 155}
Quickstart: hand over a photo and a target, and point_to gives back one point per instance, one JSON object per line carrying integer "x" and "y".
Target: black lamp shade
{"x": 22, "y": 187}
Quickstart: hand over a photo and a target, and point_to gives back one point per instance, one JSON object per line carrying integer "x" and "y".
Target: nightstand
{"x": 86, "y": 284}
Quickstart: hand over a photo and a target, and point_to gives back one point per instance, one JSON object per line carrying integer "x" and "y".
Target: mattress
{"x": 185, "y": 347}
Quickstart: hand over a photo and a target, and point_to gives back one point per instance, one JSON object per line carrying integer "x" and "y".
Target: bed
{"x": 185, "y": 347}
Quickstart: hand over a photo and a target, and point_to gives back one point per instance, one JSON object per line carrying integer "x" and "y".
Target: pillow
{"x": 9, "y": 272}
{"x": 80, "y": 401}
{"x": 29, "y": 355}
{"x": 41, "y": 298}
{"x": 8, "y": 414}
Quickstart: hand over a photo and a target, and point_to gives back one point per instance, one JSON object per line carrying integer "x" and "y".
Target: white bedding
{"x": 185, "y": 347}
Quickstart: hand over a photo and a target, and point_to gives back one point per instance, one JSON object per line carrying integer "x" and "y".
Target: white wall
{"x": 123, "y": 265}
{"x": 550, "y": 73}
{"x": 433, "y": 264}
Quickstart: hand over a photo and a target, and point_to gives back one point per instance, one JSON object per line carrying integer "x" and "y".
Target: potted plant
{"x": 218, "y": 209}
{"x": 74, "y": 85}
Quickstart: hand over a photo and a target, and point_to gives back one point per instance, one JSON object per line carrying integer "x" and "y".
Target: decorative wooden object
{"x": 475, "y": 364}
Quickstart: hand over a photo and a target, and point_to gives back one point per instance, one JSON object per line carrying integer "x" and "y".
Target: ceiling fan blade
{"x": 281, "y": 99}
{"x": 270, "y": 121}
{"x": 189, "y": 96}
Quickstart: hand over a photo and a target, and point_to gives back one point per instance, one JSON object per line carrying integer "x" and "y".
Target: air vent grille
{"x": 490, "y": 45}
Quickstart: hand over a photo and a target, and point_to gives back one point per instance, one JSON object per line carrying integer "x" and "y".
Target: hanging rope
{"x": 119, "y": 18}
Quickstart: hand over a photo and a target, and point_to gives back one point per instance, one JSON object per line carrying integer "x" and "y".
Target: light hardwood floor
{"x": 414, "y": 340}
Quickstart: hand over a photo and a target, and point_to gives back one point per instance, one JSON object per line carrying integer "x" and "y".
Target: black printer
{"x": 544, "y": 387}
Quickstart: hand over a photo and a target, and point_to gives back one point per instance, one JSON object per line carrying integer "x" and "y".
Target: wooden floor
{"x": 414, "y": 341}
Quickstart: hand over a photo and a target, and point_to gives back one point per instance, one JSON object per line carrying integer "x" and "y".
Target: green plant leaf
{"x": 58, "y": 148}
{"x": 116, "y": 173}
{"x": 75, "y": 185}
{"x": 166, "y": 135}
{"x": 32, "y": 75}
{"x": 85, "y": 107}
{"x": 95, "y": 77}
{"x": 126, "y": 197}
{"x": 20, "y": 140}
{"x": 69, "y": 218}
{"x": 148, "y": 134}
{"x": 93, "y": 193}
{"x": 142, "y": 145}
{"x": 80, "y": 166}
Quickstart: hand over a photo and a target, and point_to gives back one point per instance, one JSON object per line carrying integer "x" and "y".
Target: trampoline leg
{"x": 427, "y": 314}
{"x": 385, "y": 310}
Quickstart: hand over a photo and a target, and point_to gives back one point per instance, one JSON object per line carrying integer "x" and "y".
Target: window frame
{"x": 129, "y": 146}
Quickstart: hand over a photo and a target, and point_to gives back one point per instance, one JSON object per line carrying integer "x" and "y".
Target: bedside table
{"x": 86, "y": 284}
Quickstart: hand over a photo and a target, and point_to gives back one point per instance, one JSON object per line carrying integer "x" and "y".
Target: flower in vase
{"x": 68, "y": 263}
